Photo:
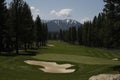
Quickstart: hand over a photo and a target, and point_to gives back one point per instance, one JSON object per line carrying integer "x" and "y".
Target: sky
{"x": 80, "y": 10}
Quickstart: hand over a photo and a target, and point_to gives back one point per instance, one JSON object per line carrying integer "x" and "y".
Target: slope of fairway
{"x": 87, "y": 61}
{"x": 79, "y": 54}
{"x": 77, "y": 59}
{"x": 65, "y": 48}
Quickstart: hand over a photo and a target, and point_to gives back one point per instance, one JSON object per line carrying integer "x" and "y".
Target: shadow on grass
{"x": 29, "y": 53}
{"x": 6, "y": 54}
{"x": 116, "y": 68}
{"x": 43, "y": 48}
{"x": 21, "y": 53}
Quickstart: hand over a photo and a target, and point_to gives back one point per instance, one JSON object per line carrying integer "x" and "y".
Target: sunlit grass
{"x": 14, "y": 68}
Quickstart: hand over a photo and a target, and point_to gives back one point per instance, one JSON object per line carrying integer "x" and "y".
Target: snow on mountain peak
{"x": 55, "y": 25}
{"x": 67, "y": 20}
{"x": 70, "y": 21}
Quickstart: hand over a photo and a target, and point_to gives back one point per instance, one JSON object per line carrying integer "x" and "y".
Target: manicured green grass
{"x": 77, "y": 59}
{"x": 87, "y": 61}
{"x": 78, "y": 54}
{"x": 65, "y": 48}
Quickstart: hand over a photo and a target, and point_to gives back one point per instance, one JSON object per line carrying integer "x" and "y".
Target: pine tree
{"x": 70, "y": 34}
{"x": 80, "y": 34}
{"x": 16, "y": 7}
{"x": 44, "y": 34}
{"x": 61, "y": 34}
{"x": 74, "y": 34}
{"x": 2, "y": 21}
{"x": 39, "y": 31}
{"x": 112, "y": 11}
{"x": 27, "y": 26}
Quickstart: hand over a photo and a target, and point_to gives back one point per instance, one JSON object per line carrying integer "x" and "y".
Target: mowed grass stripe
{"x": 65, "y": 48}
{"x": 14, "y": 68}
{"x": 103, "y": 55}
{"x": 77, "y": 59}
{"x": 115, "y": 55}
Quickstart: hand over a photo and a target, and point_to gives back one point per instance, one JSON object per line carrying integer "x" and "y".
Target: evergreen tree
{"x": 17, "y": 28}
{"x": 61, "y": 34}
{"x": 70, "y": 34}
{"x": 39, "y": 31}
{"x": 80, "y": 34}
{"x": 66, "y": 36}
{"x": 112, "y": 11}
{"x": 16, "y": 7}
{"x": 2, "y": 21}
{"x": 74, "y": 34}
{"x": 27, "y": 26}
{"x": 44, "y": 34}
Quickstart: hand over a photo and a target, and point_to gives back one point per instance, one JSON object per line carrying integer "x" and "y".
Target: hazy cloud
{"x": 32, "y": 8}
{"x": 62, "y": 12}
{"x": 35, "y": 12}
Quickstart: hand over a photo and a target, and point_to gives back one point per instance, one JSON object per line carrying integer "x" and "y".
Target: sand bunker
{"x": 115, "y": 59}
{"x": 52, "y": 67}
{"x": 106, "y": 77}
{"x": 50, "y": 45}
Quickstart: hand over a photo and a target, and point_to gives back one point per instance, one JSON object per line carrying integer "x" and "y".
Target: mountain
{"x": 56, "y": 25}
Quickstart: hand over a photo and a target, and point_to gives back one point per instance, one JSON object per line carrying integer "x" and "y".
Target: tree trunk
{"x": 25, "y": 47}
{"x": 0, "y": 39}
{"x": 17, "y": 46}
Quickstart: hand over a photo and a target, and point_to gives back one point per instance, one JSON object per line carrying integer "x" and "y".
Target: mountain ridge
{"x": 57, "y": 24}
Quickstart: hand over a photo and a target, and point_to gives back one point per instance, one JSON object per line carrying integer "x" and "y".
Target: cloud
{"x": 84, "y": 19}
{"x": 62, "y": 12}
{"x": 32, "y": 7}
{"x": 35, "y": 12}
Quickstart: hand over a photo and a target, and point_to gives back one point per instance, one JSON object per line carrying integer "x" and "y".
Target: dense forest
{"x": 18, "y": 30}
{"x": 103, "y": 31}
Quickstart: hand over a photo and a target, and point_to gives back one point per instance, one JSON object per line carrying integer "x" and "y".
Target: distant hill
{"x": 56, "y": 25}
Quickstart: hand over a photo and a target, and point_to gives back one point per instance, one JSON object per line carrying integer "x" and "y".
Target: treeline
{"x": 96, "y": 33}
{"x": 53, "y": 35}
{"x": 18, "y": 30}
{"x": 69, "y": 35}
{"x": 103, "y": 31}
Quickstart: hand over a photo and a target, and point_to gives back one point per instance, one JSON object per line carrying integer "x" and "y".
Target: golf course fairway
{"x": 87, "y": 62}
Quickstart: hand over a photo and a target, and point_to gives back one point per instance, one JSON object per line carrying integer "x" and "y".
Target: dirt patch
{"x": 106, "y": 77}
{"x": 52, "y": 67}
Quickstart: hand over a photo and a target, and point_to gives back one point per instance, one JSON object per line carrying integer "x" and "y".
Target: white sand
{"x": 52, "y": 67}
{"x": 115, "y": 59}
{"x": 106, "y": 77}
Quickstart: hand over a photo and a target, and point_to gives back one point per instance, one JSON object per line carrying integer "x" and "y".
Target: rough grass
{"x": 14, "y": 68}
